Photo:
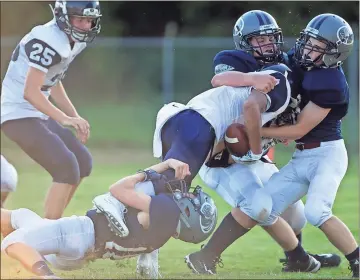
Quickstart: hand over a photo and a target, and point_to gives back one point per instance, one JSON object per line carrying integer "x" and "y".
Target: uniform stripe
{"x": 319, "y": 23}
{"x": 261, "y": 21}
{"x": 267, "y": 19}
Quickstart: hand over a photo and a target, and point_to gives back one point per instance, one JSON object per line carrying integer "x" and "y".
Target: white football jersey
{"x": 223, "y": 106}
{"x": 46, "y": 48}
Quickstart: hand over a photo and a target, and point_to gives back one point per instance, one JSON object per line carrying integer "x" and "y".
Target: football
{"x": 236, "y": 140}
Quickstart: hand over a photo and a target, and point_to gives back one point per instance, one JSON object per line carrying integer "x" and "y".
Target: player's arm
{"x": 59, "y": 95}
{"x": 124, "y": 189}
{"x": 253, "y": 107}
{"x": 309, "y": 118}
{"x": 275, "y": 102}
{"x": 32, "y": 93}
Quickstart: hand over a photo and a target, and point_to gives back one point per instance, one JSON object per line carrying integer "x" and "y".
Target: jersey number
{"x": 44, "y": 55}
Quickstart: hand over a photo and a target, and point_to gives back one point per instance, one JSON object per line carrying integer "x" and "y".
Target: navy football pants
{"x": 52, "y": 146}
{"x": 187, "y": 137}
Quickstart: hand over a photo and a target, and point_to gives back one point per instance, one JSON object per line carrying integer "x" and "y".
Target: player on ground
{"x": 9, "y": 179}
{"x": 320, "y": 160}
{"x": 37, "y": 66}
{"x": 123, "y": 223}
{"x": 258, "y": 40}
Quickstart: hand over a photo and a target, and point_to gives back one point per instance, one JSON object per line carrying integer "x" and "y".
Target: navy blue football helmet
{"x": 90, "y": 9}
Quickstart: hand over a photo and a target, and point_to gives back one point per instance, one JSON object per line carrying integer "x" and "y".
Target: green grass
{"x": 254, "y": 256}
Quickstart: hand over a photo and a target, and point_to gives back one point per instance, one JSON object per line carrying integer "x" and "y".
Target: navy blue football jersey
{"x": 326, "y": 88}
{"x": 164, "y": 217}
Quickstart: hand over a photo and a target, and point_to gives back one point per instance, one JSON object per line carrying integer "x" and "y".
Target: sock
{"x": 353, "y": 256}
{"x": 297, "y": 254}
{"x": 228, "y": 231}
{"x": 299, "y": 237}
{"x": 41, "y": 269}
{"x": 23, "y": 217}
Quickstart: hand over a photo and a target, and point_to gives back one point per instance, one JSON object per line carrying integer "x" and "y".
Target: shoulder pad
{"x": 327, "y": 87}
{"x": 235, "y": 60}
{"x": 324, "y": 79}
{"x": 236, "y": 54}
{"x": 53, "y": 36}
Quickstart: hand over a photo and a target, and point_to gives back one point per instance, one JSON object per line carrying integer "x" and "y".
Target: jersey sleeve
{"x": 228, "y": 61}
{"x": 41, "y": 55}
{"x": 279, "y": 97}
{"x": 327, "y": 88}
{"x": 164, "y": 218}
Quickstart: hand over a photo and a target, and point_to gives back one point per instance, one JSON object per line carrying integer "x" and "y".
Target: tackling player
{"x": 258, "y": 40}
{"x": 28, "y": 118}
{"x": 123, "y": 223}
{"x": 320, "y": 160}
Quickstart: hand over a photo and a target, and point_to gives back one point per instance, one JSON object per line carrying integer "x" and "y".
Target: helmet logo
{"x": 268, "y": 26}
{"x": 207, "y": 220}
{"x": 238, "y": 28}
{"x": 312, "y": 30}
{"x": 91, "y": 12}
{"x": 345, "y": 35}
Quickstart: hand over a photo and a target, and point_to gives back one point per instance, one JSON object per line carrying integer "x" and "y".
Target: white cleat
{"x": 148, "y": 265}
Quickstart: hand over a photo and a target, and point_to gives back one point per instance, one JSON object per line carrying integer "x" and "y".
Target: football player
{"x": 122, "y": 224}
{"x": 258, "y": 40}
{"x": 189, "y": 132}
{"x": 9, "y": 179}
{"x": 28, "y": 118}
{"x": 320, "y": 160}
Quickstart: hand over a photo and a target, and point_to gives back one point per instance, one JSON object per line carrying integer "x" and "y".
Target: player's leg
{"x": 80, "y": 151}
{"x": 325, "y": 178}
{"x": 69, "y": 237}
{"x": 48, "y": 150}
{"x": 187, "y": 137}
{"x": 20, "y": 218}
{"x": 9, "y": 179}
{"x": 238, "y": 185}
{"x": 286, "y": 187}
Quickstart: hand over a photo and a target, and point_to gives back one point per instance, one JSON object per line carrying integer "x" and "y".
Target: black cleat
{"x": 354, "y": 267}
{"x": 202, "y": 263}
{"x": 310, "y": 265}
{"x": 327, "y": 260}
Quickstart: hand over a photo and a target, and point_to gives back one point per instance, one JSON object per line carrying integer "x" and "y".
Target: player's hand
{"x": 263, "y": 82}
{"x": 81, "y": 126}
{"x": 181, "y": 168}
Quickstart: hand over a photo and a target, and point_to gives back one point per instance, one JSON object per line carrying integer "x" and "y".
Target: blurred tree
{"x": 212, "y": 18}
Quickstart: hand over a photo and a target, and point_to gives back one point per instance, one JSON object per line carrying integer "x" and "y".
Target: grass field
{"x": 255, "y": 256}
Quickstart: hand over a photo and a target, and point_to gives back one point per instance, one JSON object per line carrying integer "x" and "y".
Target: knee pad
{"x": 260, "y": 206}
{"x": 9, "y": 176}
{"x": 66, "y": 169}
{"x": 84, "y": 159}
{"x": 294, "y": 215}
{"x": 317, "y": 212}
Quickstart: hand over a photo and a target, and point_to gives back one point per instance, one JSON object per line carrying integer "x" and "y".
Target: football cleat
{"x": 310, "y": 265}
{"x": 354, "y": 267}
{"x": 201, "y": 263}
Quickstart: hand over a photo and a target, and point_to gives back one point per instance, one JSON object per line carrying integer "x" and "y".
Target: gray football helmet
{"x": 332, "y": 30}
{"x": 63, "y": 10}
{"x": 258, "y": 23}
{"x": 198, "y": 216}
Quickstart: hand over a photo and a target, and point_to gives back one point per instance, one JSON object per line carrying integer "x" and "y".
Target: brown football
{"x": 236, "y": 140}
